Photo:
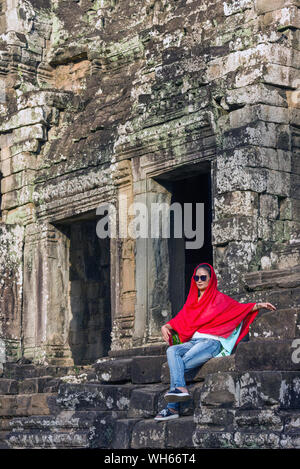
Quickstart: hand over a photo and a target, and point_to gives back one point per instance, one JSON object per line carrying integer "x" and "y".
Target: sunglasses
{"x": 198, "y": 277}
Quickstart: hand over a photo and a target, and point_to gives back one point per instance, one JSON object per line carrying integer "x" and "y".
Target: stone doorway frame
{"x": 146, "y": 189}
{"x": 40, "y": 239}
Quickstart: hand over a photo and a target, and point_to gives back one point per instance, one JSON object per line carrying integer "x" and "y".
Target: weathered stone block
{"x": 232, "y": 7}
{"x": 291, "y": 422}
{"x": 28, "y": 386}
{"x": 268, "y": 206}
{"x": 148, "y": 434}
{"x": 259, "y": 389}
{"x": 29, "y": 133}
{"x": 22, "y": 404}
{"x": 259, "y": 439}
{"x": 252, "y": 94}
{"x": 165, "y": 374}
{"x": 147, "y": 369}
{"x": 214, "y": 365}
{"x": 278, "y": 324}
{"x": 17, "y": 371}
{"x": 280, "y": 75}
{"x": 213, "y": 439}
{"x": 8, "y": 386}
{"x": 25, "y": 146}
{"x": 94, "y": 396}
{"x": 259, "y": 420}
{"x": 278, "y": 183}
{"x": 144, "y": 401}
{"x": 179, "y": 433}
{"x": 214, "y": 417}
{"x": 25, "y": 117}
{"x": 220, "y": 390}
{"x": 263, "y": 6}
{"x": 48, "y": 440}
{"x": 234, "y": 228}
{"x": 266, "y": 355}
{"x": 122, "y": 436}
{"x": 248, "y": 114}
{"x": 236, "y": 203}
{"x": 16, "y": 181}
{"x": 283, "y": 18}
{"x": 230, "y": 179}
{"x": 290, "y": 441}
{"x": 111, "y": 371}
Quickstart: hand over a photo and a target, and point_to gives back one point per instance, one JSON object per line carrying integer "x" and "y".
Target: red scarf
{"x": 215, "y": 313}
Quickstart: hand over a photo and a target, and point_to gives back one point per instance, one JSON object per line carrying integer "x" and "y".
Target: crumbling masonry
{"x": 106, "y": 101}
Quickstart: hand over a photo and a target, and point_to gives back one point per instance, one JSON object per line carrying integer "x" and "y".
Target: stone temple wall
{"x": 103, "y": 101}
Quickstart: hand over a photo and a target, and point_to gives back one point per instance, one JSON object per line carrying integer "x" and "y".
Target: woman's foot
{"x": 177, "y": 395}
{"x": 167, "y": 414}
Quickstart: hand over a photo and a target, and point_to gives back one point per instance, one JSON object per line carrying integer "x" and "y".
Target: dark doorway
{"x": 192, "y": 190}
{"x": 89, "y": 290}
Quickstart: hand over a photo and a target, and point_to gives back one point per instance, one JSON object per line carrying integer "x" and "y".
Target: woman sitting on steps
{"x": 210, "y": 324}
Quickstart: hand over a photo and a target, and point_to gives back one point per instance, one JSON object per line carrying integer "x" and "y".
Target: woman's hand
{"x": 166, "y": 333}
{"x": 264, "y": 305}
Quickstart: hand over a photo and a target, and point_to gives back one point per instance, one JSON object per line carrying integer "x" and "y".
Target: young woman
{"x": 210, "y": 324}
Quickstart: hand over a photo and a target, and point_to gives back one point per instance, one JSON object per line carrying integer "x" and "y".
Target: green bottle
{"x": 175, "y": 339}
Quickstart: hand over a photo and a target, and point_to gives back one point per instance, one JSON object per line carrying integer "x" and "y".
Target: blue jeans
{"x": 187, "y": 356}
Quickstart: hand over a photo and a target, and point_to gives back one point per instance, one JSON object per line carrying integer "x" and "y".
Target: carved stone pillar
{"x": 46, "y": 296}
{"x": 153, "y": 306}
{"x": 123, "y": 261}
{"x": 11, "y": 257}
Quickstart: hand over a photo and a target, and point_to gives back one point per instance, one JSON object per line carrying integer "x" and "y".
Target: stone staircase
{"x": 257, "y": 403}
{"x": 250, "y": 399}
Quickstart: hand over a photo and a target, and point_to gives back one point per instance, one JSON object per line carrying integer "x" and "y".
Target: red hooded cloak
{"x": 215, "y": 313}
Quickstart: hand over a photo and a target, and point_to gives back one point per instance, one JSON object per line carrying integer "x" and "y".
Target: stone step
{"x": 4, "y": 430}
{"x": 177, "y": 433}
{"x": 38, "y": 439}
{"x": 3, "y": 440}
{"x": 213, "y": 365}
{"x": 13, "y": 370}
{"x": 230, "y": 428}
{"x": 9, "y": 386}
{"x": 4, "y": 423}
{"x": 93, "y": 396}
{"x": 146, "y": 370}
{"x": 114, "y": 370}
{"x": 46, "y": 384}
{"x": 64, "y": 421}
{"x": 146, "y": 350}
{"x": 215, "y": 439}
{"x": 122, "y": 437}
{"x": 251, "y": 390}
{"x": 146, "y": 402}
{"x": 271, "y": 354}
{"x": 97, "y": 429}
{"x": 27, "y": 404}
{"x": 280, "y": 324}
{"x": 137, "y": 369}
